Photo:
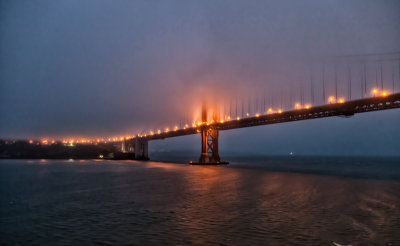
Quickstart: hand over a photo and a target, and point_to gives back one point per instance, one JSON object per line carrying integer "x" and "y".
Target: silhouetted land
{"x": 20, "y": 149}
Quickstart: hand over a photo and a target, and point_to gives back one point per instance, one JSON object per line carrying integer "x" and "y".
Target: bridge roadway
{"x": 335, "y": 109}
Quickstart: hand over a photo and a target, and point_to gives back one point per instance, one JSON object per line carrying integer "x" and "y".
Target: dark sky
{"x": 109, "y": 68}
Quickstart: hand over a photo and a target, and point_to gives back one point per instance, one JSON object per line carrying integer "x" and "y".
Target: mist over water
{"x": 279, "y": 201}
{"x": 101, "y": 69}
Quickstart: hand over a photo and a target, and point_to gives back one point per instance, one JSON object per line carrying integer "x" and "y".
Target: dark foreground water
{"x": 279, "y": 201}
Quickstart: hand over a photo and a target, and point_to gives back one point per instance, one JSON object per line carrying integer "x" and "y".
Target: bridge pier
{"x": 141, "y": 149}
{"x": 209, "y": 142}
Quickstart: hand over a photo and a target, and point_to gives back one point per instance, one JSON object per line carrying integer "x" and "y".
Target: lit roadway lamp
{"x": 297, "y": 106}
{"x": 229, "y": 118}
{"x": 341, "y": 100}
{"x": 257, "y": 115}
{"x": 247, "y": 114}
{"x": 270, "y": 110}
{"x": 238, "y": 118}
{"x": 307, "y": 106}
{"x": 331, "y": 99}
{"x": 384, "y": 93}
{"x": 374, "y": 92}
{"x": 222, "y": 121}
{"x": 280, "y": 111}
{"x": 158, "y": 131}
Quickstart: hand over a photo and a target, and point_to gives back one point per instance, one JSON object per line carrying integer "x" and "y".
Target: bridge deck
{"x": 337, "y": 109}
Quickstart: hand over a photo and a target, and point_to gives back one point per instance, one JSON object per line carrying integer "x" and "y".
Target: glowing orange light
{"x": 331, "y": 99}
{"x": 247, "y": 114}
{"x": 238, "y": 118}
{"x": 151, "y": 133}
{"x": 270, "y": 110}
{"x": 280, "y": 111}
{"x": 297, "y": 105}
{"x": 158, "y": 131}
{"x": 384, "y": 93}
{"x": 229, "y": 118}
{"x": 167, "y": 129}
{"x": 222, "y": 121}
{"x": 176, "y": 128}
{"x": 307, "y": 106}
{"x": 375, "y": 91}
{"x": 30, "y": 141}
{"x": 257, "y": 115}
{"x": 341, "y": 100}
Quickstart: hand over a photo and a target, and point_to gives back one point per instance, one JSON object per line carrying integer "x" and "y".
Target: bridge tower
{"x": 209, "y": 140}
{"x": 141, "y": 149}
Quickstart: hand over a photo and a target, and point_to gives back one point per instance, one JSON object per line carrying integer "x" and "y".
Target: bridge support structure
{"x": 209, "y": 142}
{"x": 141, "y": 149}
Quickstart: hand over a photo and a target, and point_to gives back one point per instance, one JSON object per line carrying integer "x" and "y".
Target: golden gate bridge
{"x": 368, "y": 83}
{"x": 347, "y": 85}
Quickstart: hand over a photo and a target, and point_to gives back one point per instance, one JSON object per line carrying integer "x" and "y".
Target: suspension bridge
{"x": 356, "y": 84}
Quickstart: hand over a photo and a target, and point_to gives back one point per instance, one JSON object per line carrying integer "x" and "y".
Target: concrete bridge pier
{"x": 141, "y": 149}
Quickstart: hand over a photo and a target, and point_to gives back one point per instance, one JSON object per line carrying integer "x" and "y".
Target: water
{"x": 275, "y": 201}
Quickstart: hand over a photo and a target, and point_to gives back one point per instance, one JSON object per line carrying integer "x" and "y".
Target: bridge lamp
{"x": 158, "y": 131}
{"x": 257, "y": 115}
{"x": 229, "y": 118}
{"x": 186, "y": 125}
{"x": 331, "y": 99}
{"x": 341, "y": 100}
{"x": 270, "y": 110}
{"x": 176, "y": 128}
{"x": 238, "y": 118}
{"x": 297, "y": 106}
{"x": 307, "y": 106}
{"x": 280, "y": 111}
{"x": 151, "y": 133}
{"x": 384, "y": 93}
{"x": 222, "y": 121}
{"x": 247, "y": 114}
{"x": 374, "y": 92}
{"x": 167, "y": 129}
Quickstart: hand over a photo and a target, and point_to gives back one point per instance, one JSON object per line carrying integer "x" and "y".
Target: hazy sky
{"x": 106, "y": 68}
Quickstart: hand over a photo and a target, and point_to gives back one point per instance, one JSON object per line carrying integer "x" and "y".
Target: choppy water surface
{"x": 274, "y": 202}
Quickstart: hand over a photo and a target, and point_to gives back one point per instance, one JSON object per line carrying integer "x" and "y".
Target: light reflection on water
{"x": 129, "y": 202}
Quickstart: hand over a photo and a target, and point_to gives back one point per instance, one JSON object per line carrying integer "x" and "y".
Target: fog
{"x": 110, "y": 68}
